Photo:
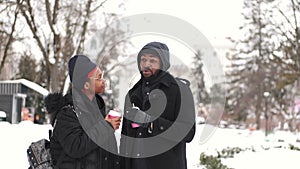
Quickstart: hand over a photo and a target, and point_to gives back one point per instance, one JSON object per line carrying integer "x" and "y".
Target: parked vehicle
{"x": 2, "y": 116}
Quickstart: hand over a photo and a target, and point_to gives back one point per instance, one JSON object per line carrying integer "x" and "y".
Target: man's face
{"x": 97, "y": 82}
{"x": 150, "y": 64}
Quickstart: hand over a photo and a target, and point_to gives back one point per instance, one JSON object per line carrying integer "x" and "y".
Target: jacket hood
{"x": 159, "y": 49}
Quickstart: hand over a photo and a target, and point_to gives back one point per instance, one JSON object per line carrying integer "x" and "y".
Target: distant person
{"x": 159, "y": 115}
{"x": 26, "y": 115}
{"x": 83, "y": 135}
{"x": 37, "y": 119}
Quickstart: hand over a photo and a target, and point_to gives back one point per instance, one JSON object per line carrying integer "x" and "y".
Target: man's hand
{"x": 115, "y": 122}
{"x": 136, "y": 115}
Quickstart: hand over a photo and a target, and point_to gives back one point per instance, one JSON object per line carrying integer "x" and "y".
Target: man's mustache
{"x": 147, "y": 69}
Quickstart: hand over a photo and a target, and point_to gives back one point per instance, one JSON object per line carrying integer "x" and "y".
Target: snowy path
{"x": 16, "y": 138}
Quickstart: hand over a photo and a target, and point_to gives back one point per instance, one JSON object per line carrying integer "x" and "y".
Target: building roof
{"x": 29, "y": 84}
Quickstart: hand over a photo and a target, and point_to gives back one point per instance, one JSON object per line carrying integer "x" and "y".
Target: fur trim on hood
{"x": 55, "y": 101}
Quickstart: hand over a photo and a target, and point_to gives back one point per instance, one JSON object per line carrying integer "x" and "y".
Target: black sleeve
{"x": 184, "y": 126}
{"x": 71, "y": 136}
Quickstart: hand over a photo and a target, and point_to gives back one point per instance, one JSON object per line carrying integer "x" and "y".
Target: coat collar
{"x": 164, "y": 78}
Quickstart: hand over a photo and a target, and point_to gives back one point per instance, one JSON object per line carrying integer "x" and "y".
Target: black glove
{"x": 138, "y": 116}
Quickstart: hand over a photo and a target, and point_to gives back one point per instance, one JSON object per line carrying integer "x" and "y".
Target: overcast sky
{"x": 214, "y": 18}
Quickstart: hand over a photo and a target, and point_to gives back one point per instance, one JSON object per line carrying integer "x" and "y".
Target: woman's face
{"x": 97, "y": 82}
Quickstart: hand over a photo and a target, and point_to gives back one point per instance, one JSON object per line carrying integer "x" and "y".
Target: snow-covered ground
{"x": 260, "y": 152}
{"x": 15, "y": 138}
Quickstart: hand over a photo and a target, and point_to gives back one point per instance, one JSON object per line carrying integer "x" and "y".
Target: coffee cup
{"x": 113, "y": 114}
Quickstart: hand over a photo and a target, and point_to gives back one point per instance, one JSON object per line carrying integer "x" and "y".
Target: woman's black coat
{"x": 70, "y": 146}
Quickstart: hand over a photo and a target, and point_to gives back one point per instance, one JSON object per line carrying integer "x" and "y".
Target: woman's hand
{"x": 115, "y": 121}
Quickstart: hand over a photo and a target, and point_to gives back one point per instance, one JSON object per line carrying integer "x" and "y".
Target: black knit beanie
{"x": 79, "y": 67}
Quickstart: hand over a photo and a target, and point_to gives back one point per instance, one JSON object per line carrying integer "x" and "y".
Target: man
{"x": 159, "y": 117}
{"x": 80, "y": 123}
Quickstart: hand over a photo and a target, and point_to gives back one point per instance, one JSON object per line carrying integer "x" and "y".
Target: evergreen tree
{"x": 264, "y": 75}
{"x": 250, "y": 74}
{"x": 197, "y": 70}
{"x": 27, "y": 68}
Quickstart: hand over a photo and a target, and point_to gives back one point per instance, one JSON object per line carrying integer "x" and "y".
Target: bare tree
{"x": 288, "y": 28}
{"x": 7, "y": 30}
{"x": 106, "y": 47}
{"x": 59, "y": 29}
{"x": 267, "y": 60}
{"x": 287, "y": 58}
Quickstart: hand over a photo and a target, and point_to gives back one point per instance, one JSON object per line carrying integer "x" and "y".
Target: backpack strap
{"x": 50, "y": 132}
{"x": 184, "y": 81}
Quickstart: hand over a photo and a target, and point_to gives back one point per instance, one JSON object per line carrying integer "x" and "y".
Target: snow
{"x": 15, "y": 139}
{"x": 269, "y": 152}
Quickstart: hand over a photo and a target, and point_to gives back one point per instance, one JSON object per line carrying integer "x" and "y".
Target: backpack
{"x": 182, "y": 82}
{"x": 38, "y": 153}
{"x": 39, "y": 156}
{"x": 187, "y": 103}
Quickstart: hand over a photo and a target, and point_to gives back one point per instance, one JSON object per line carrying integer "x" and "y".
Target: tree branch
{"x": 84, "y": 27}
{"x": 10, "y": 39}
{"x": 97, "y": 7}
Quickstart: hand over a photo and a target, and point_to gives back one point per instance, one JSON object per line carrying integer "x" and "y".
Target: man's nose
{"x": 147, "y": 64}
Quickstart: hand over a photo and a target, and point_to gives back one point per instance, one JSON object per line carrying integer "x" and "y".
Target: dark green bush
{"x": 211, "y": 162}
{"x": 214, "y": 162}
